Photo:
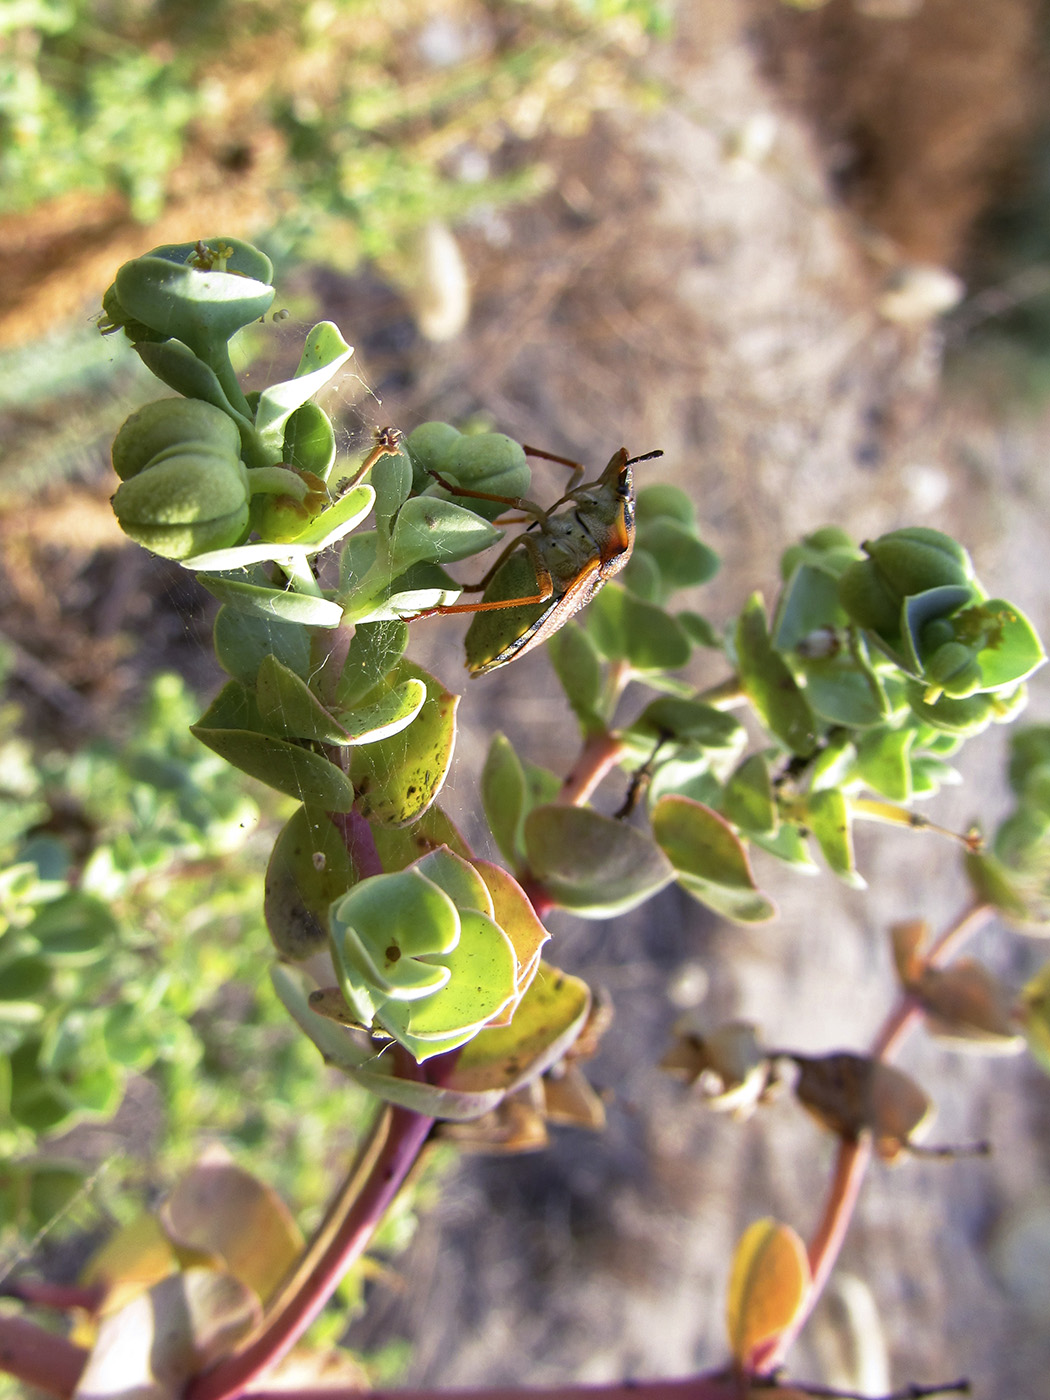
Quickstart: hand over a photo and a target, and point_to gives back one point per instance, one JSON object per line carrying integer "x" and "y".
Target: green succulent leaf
{"x": 201, "y": 308}
{"x": 684, "y": 560}
{"x": 289, "y": 707}
{"x": 374, "y": 651}
{"x": 579, "y": 670}
{"x": 504, "y": 796}
{"x": 309, "y": 441}
{"x": 1035, "y": 997}
{"x": 392, "y": 482}
{"x": 243, "y": 640}
{"x": 995, "y": 883}
{"x": 177, "y": 366}
{"x": 624, "y": 628}
{"x": 662, "y": 501}
{"x": 398, "y": 778}
{"x": 591, "y": 864}
{"x": 546, "y": 1024}
{"x": 683, "y": 721}
{"x": 1014, "y": 650}
{"x": 709, "y": 859}
{"x": 428, "y": 530}
{"x": 808, "y": 602}
{"x": 749, "y": 801}
{"x": 829, "y": 819}
{"x": 283, "y": 605}
{"x": 386, "y": 716}
{"x": 883, "y": 761}
{"x": 924, "y": 608}
{"x": 839, "y": 693}
{"x": 233, "y": 727}
{"x": 324, "y": 352}
{"x": 770, "y": 686}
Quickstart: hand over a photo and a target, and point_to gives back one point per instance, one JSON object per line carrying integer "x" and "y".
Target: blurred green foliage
{"x": 380, "y": 118}
{"x": 132, "y": 944}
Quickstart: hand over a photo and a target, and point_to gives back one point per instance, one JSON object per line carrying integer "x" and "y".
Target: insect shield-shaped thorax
{"x": 557, "y": 566}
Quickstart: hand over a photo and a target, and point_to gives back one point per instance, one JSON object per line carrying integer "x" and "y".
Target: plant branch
{"x": 853, "y": 1158}
{"x": 381, "y": 1169}
{"x": 40, "y": 1358}
{"x": 720, "y": 1386}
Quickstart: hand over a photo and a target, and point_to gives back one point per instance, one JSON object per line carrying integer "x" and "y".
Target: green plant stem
{"x": 382, "y": 1166}
{"x": 853, "y": 1158}
{"x": 726, "y": 695}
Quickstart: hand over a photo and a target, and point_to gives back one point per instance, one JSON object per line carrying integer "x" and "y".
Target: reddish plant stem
{"x": 384, "y": 1162}
{"x": 721, "y": 1386}
{"x": 40, "y": 1358}
{"x": 599, "y": 756}
{"x": 853, "y": 1158}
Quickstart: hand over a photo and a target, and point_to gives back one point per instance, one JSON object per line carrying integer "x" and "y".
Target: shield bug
{"x": 555, "y": 567}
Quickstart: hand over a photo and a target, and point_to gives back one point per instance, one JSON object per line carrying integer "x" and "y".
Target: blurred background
{"x": 803, "y": 248}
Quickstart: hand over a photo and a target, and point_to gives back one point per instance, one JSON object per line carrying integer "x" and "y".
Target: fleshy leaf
{"x": 243, "y": 639}
{"x": 547, "y": 1022}
{"x": 770, "y": 686}
{"x": 624, "y": 628}
{"x": 181, "y": 370}
{"x": 289, "y": 707}
{"x": 1015, "y": 650}
{"x": 282, "y": 604}
{"x": 591, "y": 864}
{"x": 389, "y": 715}
{"x": 374, "y": 651}
{"x": 309, "y": 867}
{"x": 883, "y": 762}
{"x": 1036, "y": 1001}
{"x": 503, "y": 793}
{"x": 579, "y": 669}
{"x": 231, "y": 726}
{"x": 768, "y": 1285}
{"x": 432, "y": 531}
{"x": 324, "y": 351}
{"x": 309, "y": 441}
{"x": 398, "y": 778}
{"x": 749, "y": 801}
{"x": 808, "y": 602}
{"x": 709, "y": 859}
{"x": 828, "y": 816}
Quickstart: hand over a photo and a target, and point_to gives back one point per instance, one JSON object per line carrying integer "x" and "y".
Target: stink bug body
{"x": 555, "y": 568}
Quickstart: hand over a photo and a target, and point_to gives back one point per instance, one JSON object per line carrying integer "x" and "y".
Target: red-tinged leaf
{"x": 768, "y": 1284}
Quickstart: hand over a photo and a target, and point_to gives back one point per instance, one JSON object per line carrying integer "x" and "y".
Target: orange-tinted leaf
{"x": 909, "y": 937}
{"x": 569, "y": 1098}
{"x": 768, "y": 1284}
{"x": 221, "y": 1210}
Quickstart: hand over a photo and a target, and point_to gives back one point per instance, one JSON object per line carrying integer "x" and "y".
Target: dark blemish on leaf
{"x": 393, "y": 953}
{"x": 411, "y": 790}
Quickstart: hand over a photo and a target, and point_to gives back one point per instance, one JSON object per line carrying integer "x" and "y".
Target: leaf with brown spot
{"x": 853, "y": 1094}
